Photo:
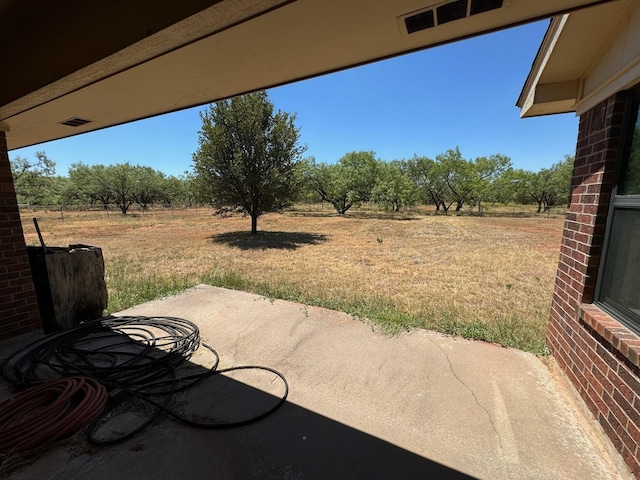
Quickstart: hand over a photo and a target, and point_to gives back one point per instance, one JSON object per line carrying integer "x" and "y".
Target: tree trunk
{"x": 254, "y": 224}
{"x": 342, "y": 209}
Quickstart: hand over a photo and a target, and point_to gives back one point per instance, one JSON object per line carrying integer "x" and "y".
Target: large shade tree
{"x": 248, "y": 156}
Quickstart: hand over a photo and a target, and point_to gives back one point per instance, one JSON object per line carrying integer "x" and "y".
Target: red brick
{"x": 606, "y": 356}
{"x": 26, "y": 308}
{"x": 15, "y": 332}
{"x": 594, "y": 402}
{"x": 16, "y": 286}
{"x": 599, "y": 367}
{"x": 629, "y": 411}
{"x": 24, "y": 296}
{"x": 622, "y": 336}
{"x": 634, "y": 432}
{"x": 584, "y": 247}
{"x": 632, "y": 462}
{"x": 610, "y": 430}
{"x": 7, "y": 328}
{"x": 607, "y": 385}
{"x": 586, "y": 361}
{"x": 594, "y": 383}
{"x": 612, "y": 332}
{"x": 634, "y": 355}
{"x": 619, "y": 424}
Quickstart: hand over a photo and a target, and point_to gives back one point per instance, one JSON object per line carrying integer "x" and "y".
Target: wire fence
{"x": 64, "y": 212}
{"x": 112, "y": 211}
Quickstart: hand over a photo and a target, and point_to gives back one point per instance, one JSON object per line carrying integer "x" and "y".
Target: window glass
{"x": 630, "y": 181}
{"x": 619, "y": 277}
{"x": 621, "y": 280}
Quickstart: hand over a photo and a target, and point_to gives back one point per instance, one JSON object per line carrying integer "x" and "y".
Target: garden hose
{"x": 142, "y": 359}
{"x": 43, "y": 414}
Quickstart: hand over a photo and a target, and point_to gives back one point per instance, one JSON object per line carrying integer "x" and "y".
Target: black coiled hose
{"x": 142, "y": 358}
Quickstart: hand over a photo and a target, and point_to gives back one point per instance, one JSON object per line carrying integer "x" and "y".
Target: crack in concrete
{"x": 475, "y": 398}
{"x": 239, "y": 337}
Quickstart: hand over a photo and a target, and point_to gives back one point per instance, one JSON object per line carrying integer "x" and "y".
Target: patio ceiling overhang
{"x": 75, "y": 66}
{"x": 586, "y": 56}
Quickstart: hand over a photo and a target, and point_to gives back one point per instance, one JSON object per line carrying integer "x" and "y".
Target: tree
{"x": 508, "y": 187}
{"x": 459, "y": 175}
{"x": 88, "y": 185}
{"x": 349, "y": 182}
{"x": 122, "y": 184}
{"x": 328, "y": 183}
{"x": 185, "y": 192}
{"x": 487, "y": 172}
{"x": 560, "y": 187}
{"x": 248, "y": 156}
{"x": 149, "y": 186}
{"x": 35, "y": 181}
{"x": 548, "y": 187}
{"x": 430, "y": 180}
{"x": 119, "y": 180}
{"x": 527, "y": 186}
{"x": 394, "y": 188}
{"x": 175, "y": 190}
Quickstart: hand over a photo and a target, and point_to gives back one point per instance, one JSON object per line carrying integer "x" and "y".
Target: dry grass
{"x": 487, "y": 278}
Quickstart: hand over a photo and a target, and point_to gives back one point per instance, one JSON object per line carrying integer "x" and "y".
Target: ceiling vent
{"x": 452, "y": 11}
{"x": 421, "y": 21}
{"x": 446, "y": 12}
{"x": 75, "y": 122}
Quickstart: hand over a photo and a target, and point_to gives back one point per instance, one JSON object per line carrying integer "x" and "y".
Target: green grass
{"x": 129, "y": 286}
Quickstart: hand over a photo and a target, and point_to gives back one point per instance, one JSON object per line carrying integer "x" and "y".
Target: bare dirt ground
{"x": 489, "y": 269}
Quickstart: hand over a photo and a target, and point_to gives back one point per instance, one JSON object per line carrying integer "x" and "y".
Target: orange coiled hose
{"x": 49, "y": 412}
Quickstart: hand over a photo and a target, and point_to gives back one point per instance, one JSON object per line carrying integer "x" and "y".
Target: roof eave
{"x": 527, "y": 98}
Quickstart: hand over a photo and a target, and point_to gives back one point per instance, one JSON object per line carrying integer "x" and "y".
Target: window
{"x": 619, "y": 282}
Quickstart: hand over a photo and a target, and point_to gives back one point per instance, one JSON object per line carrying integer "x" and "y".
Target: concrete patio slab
{"x": 361, "y": 405}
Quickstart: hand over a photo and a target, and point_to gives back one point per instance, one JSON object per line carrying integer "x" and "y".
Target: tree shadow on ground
{"x": 267, "y": 240}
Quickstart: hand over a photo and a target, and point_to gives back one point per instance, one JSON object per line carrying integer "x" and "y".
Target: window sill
{"x": 616, "y": 335}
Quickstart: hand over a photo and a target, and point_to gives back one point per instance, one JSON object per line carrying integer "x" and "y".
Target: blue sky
{"x": 462, "y": 94}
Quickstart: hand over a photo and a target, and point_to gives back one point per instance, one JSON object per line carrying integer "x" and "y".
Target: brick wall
{"x": 599, "y": 355}
{"x": 18, "y": 307}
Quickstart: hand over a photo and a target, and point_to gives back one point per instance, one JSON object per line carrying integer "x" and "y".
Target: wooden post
{"x": 70, "y": 285}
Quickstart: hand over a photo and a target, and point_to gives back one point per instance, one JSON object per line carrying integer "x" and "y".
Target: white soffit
{"x": 296, "y": 40}
{"x": 575, "y": 46}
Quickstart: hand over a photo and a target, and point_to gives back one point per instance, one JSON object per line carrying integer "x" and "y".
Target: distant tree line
{"x": 121, "y": 184}
{"x": 449, "y": 182}
{"x": 249, "y": 158}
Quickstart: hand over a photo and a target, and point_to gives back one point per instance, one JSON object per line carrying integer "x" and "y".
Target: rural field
{"x": 488, "y": 278}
